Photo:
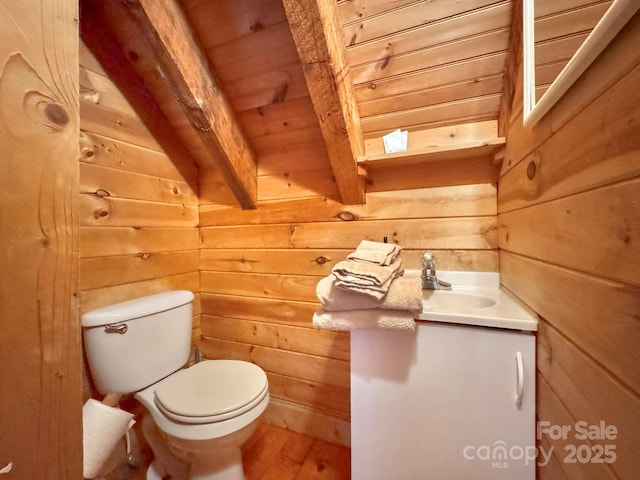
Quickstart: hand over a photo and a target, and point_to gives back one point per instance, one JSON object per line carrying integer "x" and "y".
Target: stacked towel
{"x": 366, "y": 278}
{"x": 352, "y": 319}
{"x": 376, "y": 252}
{"x": 368, "y": 291}
{"x": 405, "y": 293}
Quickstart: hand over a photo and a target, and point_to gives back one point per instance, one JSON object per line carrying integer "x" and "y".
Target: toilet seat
{"x": 211, "y": 391}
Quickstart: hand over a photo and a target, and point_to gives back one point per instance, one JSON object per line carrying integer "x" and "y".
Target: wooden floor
{"x": 274, "y": 453}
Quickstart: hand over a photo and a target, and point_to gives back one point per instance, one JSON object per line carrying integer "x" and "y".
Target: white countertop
{"x": 507, "y": 312}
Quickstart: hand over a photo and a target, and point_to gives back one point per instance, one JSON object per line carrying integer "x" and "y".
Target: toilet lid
{"x": 211, "y": 391}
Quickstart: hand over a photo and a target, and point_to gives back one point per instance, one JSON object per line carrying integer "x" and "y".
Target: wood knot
{"x": 100, "y": 213}
{"x": 101, "y": 193}
{"x": 347, "y": 216}
{"x": 87, "y": 153}
{"x": 280, "y": 93}
{"x": 321, "y": 260}
{"x": 531, "y": 170}
{"x": 56, "y": 114}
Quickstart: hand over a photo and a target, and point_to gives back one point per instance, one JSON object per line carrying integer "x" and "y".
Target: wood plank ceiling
{"x": 307, "y": 88}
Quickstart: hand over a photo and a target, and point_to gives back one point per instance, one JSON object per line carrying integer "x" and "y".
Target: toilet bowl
{"x": 206, "y": 412}
{"x": 203, "y": 413}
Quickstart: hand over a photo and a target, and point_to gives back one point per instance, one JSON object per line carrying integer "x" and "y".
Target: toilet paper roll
{"x": 102, "y": 427}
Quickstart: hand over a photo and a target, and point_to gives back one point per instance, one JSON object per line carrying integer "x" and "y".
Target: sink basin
{"x": 476, "y": 299}
{"x": 447, "y": 300}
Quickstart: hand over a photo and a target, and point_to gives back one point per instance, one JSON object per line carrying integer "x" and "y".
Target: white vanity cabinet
{"x": 452, "y": 402}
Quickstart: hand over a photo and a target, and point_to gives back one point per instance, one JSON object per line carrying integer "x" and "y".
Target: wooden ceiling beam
{"x": 208, "y": 127}
{"x": 318, "y": 37}
{"x": 111, "y": 55}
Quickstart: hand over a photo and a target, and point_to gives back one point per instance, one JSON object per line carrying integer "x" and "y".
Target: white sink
{"x": 448, "y": 300}
{"x": 476, "y": 298}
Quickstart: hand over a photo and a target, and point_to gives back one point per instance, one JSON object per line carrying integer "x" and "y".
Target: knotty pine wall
{"x": 569, "y": 238}
{"x": 259, "y": 270}
{"x": 138, "y": 209}
{"x": 256, "y": 271}
{"x": 40, "y": 346}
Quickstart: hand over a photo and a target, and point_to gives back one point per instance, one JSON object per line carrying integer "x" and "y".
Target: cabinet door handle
{"x": 519, "y": 379}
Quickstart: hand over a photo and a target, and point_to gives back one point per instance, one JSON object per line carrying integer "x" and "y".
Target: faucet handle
{"x": 428, "y": 261}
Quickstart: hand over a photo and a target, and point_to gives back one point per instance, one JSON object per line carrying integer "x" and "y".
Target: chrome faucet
{"x": 430, "y": 280}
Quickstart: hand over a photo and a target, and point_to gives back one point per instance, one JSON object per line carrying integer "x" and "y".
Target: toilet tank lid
{"x": 136, "y": 308}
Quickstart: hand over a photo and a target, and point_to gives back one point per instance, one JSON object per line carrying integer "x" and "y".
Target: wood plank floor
{"x": 274, "y": 453}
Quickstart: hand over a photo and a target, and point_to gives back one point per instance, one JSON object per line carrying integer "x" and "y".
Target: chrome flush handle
{"x": 120, "y": 328}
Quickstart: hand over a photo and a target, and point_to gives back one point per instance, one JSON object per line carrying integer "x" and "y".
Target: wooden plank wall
{"x": 259, "y": 270}
{"x": 569, "y": 231}
{"x": 138, "y": 209}
{"x": 40, "y": 349}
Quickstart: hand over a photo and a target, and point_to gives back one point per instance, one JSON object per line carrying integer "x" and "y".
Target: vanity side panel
{"x": 568, "y": 218}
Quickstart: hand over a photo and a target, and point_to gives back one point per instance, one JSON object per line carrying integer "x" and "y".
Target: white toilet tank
{"x": 133, "y": 344}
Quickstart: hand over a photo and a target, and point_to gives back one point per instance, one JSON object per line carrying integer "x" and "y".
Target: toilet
{"x": 205, "y": 412}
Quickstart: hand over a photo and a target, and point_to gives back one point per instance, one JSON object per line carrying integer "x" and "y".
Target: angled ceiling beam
{"x": 157, "y": 37}
{"x": 114, "y": 61}
{"x": 318, "y": 37}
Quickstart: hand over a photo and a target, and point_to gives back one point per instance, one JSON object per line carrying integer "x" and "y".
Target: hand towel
{"x": 356, "y": 319}
{"x": 405, "y": 293}
{"x": 366, "y": 278}
{"x": 366, "y": 274}
{"x": 375, "y": 292}
{"x": 375, "y": 252}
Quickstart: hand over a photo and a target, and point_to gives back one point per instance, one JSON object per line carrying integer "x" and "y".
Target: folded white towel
{"x": 375, "y": 252}
{"x": 405, "y": 293}
{"x": 376, "y": 293}
{"x": 366, "y": 278}
{"x": 366, "y": 274}
{"x": 360, "y": 319}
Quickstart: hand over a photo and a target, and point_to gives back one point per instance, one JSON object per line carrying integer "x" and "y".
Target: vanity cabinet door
{"x": 449, "y": 402}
